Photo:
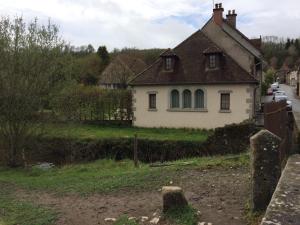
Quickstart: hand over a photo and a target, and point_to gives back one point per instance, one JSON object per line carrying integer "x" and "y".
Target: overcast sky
{"x": 152, "y": 23}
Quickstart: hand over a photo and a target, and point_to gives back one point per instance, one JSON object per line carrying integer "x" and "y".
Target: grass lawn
{"x": 14, "y": 211}
{"x": 94, "y": 131}
{"x": 107, "y": 175}
{"x": 102, "y": 176}
{"x": 180, "y": 216}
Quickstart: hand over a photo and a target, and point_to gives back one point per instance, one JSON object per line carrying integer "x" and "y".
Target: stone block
{"x": 265, "y": 168}
{"x": 173, "y": 197}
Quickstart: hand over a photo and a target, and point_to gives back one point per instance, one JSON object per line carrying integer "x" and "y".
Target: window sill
{"x": 212, "y": 69}
{"x": 168, "y": 71}
{"x": 225, "y": 111}
{"x": 187, "y": 110}
{"x": 152, "y": 110}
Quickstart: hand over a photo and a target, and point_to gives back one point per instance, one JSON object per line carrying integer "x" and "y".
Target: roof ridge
{"x": 241, "y": 76}
{"x": 243, "y": 35}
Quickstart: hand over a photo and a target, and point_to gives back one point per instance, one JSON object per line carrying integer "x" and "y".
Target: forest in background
{"x": 88, "y": 63}
{"x": 281, "y": 53}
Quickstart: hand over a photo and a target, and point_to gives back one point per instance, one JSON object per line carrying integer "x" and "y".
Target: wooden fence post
{"x": 135, "y": 151}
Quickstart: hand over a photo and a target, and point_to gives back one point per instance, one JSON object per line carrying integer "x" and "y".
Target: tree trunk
{"x": 12, "y": 161}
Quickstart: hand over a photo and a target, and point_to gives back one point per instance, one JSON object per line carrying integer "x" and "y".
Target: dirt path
{"x": 220, "y": 195}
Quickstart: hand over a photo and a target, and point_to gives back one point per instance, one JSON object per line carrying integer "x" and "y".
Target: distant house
{"x": 123, "y": 68}
{"x": 298, "y": 82}
{"x": 281, "y": 75}
{"x": 292, "y": 78}
{"x": 209, "y": 80}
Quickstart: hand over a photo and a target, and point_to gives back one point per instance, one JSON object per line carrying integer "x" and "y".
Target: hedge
{"x": 62, "y": 150}
{"x": 86, "y": 103}
{"x": 231, "y": 139}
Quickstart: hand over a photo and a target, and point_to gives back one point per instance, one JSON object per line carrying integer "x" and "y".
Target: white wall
{"x": 241, "y": 106}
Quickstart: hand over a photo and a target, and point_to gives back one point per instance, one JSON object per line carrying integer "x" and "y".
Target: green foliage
{"x": 103, "y": 54}
{"x": 107, "y": 175}
{"x": 182, "y": 216}
{"x": 30, "y": 58}
{"x": 90, "y": 49}
{"x": 85, "y": 131}
{"x": 81, "y": 103}
{"x": 62, "y": 150}
{"x": 153, "y": 144}
{"x": 80, "y": 143}
{"x": 232, "y": 138}
{"x": 88, "y": 69}
{"x": 269, "y": 79}
{"x": 279, "y": 51}
{"x": 125, "y": 221}
{"x": 264, "y": 88}
{"x": 21, "y": 212}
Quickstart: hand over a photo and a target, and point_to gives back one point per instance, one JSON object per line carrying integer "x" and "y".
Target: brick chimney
{"x": 231, "y": 18}
{"x": 218, "y": 14}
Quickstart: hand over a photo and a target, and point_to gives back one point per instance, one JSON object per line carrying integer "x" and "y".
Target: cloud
{"x": 152, "y": 23}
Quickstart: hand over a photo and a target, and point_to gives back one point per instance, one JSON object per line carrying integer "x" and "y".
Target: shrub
{"x": 88, "y": 103}
{"x": 66, "y": 150}
{"x": 231, "y": 139}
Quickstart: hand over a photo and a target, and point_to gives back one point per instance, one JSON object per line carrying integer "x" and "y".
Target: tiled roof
{"x": 212, "y": 49}
{"x": 124, "y": 65}
{"x": 190, "y": 66}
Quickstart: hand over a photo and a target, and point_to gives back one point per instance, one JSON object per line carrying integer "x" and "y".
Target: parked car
{"x": 279, "y": 97}
{"x": 278, "y": 93}
{"x": 289, "y": 105}
{"x": 274, "y": 86}
{"x": 270, "y": 91}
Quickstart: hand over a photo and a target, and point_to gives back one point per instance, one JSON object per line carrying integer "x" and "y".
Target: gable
{"x": 233, "y": 48}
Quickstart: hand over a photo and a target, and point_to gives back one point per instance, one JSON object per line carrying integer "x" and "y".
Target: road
{"x": 290, "y": 92}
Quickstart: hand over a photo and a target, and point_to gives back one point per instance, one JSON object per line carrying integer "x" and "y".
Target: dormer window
{"x": 213, "y": 57}
{"x": 212, "y": 64}
{"x": 169, "y": 59}
{"x": 168, "y": 63}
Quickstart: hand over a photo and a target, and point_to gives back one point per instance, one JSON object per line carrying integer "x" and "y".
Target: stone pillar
{"x": 173, "y": 197}
{"x": 265, "y": 168}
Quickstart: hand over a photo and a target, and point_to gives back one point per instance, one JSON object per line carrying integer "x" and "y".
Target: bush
{"x": 64, "y": 150}
{"x": 87, "y": 103}
{"x": 231, "y": 139}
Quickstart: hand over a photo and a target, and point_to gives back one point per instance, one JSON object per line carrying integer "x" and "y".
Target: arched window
{"x": 199, "y": 99}
{"x": 187, "y": 99}
{"x": 174, "y": 99}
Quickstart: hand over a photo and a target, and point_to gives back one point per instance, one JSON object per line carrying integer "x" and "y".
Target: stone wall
{"x": 284, "y": 208}
{"x": 275, "y": 188}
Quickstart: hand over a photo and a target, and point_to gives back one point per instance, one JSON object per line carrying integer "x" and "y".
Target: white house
{"x": 209, "y": 80}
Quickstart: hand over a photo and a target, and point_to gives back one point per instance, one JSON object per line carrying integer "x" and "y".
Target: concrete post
{"x": 265, "y": 168}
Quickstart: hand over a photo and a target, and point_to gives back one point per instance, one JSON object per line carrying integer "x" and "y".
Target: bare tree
{"x": 29, "y": 56}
